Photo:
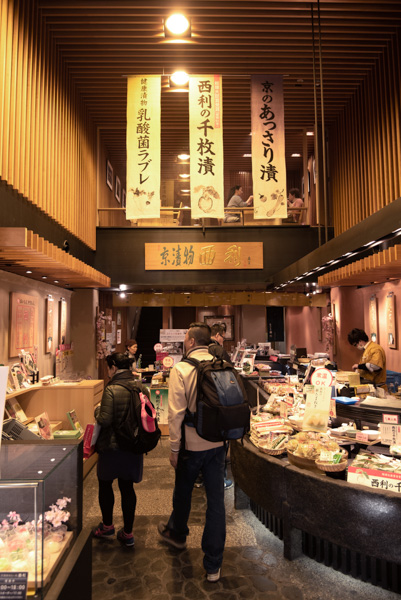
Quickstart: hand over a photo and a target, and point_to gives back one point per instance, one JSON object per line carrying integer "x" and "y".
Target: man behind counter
{"x": 373, "y": 362}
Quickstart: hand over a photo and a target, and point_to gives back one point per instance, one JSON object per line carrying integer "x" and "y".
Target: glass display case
{"x": 40, "y": 508}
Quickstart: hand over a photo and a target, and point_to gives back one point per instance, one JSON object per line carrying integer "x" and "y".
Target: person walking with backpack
{"x": 190, "y": 454}
{"x": 115, "y": 462}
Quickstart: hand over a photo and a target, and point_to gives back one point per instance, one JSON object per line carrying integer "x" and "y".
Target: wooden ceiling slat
{"x": 100, "y": 43}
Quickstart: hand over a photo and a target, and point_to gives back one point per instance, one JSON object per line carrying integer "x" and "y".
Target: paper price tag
{"x": 283, "y": 410}
{"x": 333, "y": 412}
{"x": 362, "y": 437}
{"x": 393, "y": 419}
{"x": 326, "y": 455}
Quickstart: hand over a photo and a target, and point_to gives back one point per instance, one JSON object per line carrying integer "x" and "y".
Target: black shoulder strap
{"x": 192, "y": 361}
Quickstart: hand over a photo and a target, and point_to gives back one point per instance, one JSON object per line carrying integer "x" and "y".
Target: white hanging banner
{"x": 143, "y": 147}
{"x": 206, "y": 146}
{"x": 268, "y": 147}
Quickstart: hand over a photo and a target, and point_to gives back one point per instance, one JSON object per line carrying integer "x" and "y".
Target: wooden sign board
{"x": 198, "y": 256}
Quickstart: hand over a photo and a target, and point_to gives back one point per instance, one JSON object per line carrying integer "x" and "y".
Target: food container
{"x": 373, "y": 434}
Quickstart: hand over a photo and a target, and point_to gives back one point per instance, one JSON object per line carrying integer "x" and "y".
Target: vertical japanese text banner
{"x": 268, "y": 147}
{"x": 206, "y": 146}
{"x": 143, "y": 147}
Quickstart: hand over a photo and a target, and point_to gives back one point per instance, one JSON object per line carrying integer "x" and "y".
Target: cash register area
{"x": 253, "y": 564}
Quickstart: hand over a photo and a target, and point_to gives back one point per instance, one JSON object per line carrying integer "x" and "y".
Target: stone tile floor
{"x": 253, "y": 567}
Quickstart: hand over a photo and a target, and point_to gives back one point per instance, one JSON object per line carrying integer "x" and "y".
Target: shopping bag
{"x": 91, "y": 434}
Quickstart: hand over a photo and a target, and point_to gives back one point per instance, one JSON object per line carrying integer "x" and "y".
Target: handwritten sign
{"x": 390, "y": 434}
{"x": 317, "y": 408}
{"x": 333, "y": 411}
{"x": 362, "y": 437}
{"x": 322, "y": 377}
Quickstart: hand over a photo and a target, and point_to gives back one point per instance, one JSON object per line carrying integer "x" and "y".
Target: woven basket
{"x": 272, "y": 452}
{"x": 330, "y": 468}
{"x": 301, "y": 461}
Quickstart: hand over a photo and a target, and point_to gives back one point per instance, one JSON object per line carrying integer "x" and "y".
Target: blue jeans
{"x": 211, "y": 464}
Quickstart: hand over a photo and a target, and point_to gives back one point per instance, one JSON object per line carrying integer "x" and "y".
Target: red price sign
{"x": 158, "y": 347}
{"x": 168, "y": 362}
{"x": 322, "y": 378}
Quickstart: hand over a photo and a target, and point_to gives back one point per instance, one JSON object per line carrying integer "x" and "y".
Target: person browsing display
{"x": 190, "y": 454}
{"x": 235, "y": 199}
{"x": 131, "y": 350}
{"x": 115, "y": 462}
{"x": 372, "y": 365}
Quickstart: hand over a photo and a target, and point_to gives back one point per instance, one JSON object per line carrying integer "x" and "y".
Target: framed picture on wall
{"x": 109, "y": 174}
{"x": 118, "y": 189}
{"x": 23, "y": 323}
{"x": 227, "y": 321}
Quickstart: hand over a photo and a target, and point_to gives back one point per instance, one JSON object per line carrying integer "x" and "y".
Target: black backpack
{"x": 138, "y": 431}
{"x": 222, "y": 409}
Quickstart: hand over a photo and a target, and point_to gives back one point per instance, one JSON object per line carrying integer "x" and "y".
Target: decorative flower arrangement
{"x": 328, "y": 331}
{"x": 57, "y": 515}
{"x": 17, "y": 539}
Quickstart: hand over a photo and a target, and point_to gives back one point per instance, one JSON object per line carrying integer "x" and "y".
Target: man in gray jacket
{"x": 189, "y": 455}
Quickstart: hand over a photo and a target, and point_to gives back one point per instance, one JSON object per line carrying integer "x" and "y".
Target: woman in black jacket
{"x": 115, "y": 463}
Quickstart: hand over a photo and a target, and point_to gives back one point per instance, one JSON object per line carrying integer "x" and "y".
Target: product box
{"x": 375, "y": 478}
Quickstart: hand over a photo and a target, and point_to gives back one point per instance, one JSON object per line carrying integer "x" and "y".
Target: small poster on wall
{"x": 62, "y": 322}
{"x": 390, "y": 312}
{"x": 23, "y": 323}
{"x": 49, "y": 334}
{"x": 374, "y": 330}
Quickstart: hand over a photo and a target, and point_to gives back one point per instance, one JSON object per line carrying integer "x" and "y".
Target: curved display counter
{"x": 351, "y": 528}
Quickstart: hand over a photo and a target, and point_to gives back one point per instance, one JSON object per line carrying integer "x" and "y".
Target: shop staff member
{"x": 373, "y": 361}
{"x": 132, "y": 346}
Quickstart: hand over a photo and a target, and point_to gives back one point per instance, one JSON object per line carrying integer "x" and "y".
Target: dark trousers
{"x": 211, "y": 463}
{"x": 128, "y": 502}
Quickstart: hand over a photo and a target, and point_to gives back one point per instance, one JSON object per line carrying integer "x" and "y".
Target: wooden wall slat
{"x": 48, "y": 145}
{"x": 366, "y": 144}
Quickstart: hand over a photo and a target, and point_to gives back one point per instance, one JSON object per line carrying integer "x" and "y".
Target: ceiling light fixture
{"x": 295, "y": 155}
{"x": 247, "y": 155}
{"x": 310, "y": 133}
{"x": 184, "y": 175}
{"x": 183, "y": 156}
{"x": 177, "y": 25}
{"x": 179, "y": 80}
{"x": 122, "y": 287}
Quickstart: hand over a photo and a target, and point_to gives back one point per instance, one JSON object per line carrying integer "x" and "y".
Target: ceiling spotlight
{"x": 122, "y": 287}
{"x": 246, "y": 155}
{"x": 310, "y": 133}
{"x": 183, "y": 156}
{"x": 177, "y": 25}
{"x": 28, "y": 272}
{"x": 184, "y": 175}
{"x": 179, "y": 81}
{"x": 56, "y": 281}
{"x": 295, "y": 155}
{"x": 122, "y": 294}
{"x": 185, "y": 191}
